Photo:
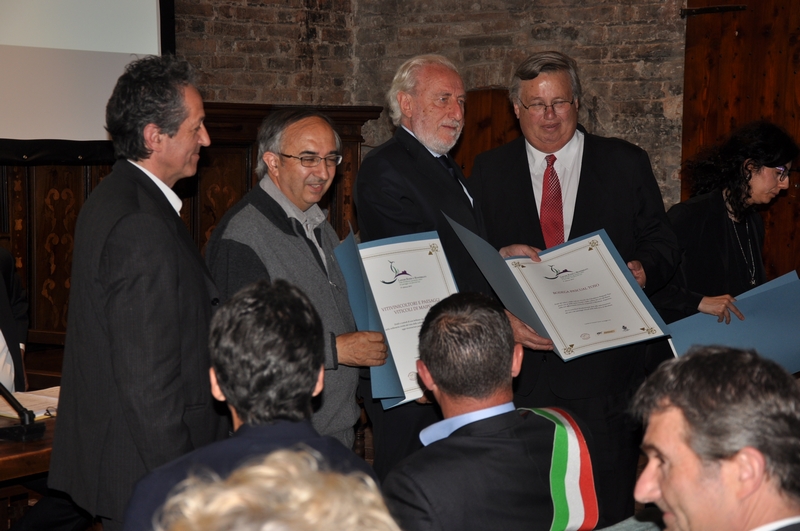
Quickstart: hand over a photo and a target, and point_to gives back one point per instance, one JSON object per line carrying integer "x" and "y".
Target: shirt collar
{"x": 172, "y": 197}
{"x": 444, "y": 428}
{"x": 314, "y": 216}
{"x": 568, "y": 152}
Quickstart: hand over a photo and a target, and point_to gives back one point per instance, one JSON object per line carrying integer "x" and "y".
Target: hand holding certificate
{"x": 392, "y": 284}
{"x": 581, "y": 295}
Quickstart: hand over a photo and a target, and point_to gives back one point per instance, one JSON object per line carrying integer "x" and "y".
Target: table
{"x": 20, "y": 459}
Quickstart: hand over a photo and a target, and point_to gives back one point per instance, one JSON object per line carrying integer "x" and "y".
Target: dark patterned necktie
{"x": 552, "y": 211}
{"x": 445, "y": 161}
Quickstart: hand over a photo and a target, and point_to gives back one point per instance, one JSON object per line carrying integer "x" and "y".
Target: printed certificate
{"x": 581, "y": 295}
{"x": 583, "y": 298}
{"x": 401, "y": 278}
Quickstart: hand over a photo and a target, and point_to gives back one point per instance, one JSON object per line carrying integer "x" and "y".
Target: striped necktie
{"x": 552, "y": 211}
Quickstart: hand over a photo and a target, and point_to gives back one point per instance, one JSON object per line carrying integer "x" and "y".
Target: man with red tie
{"x": 556, "y": 183}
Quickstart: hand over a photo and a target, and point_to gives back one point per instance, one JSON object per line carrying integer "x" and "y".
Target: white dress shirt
{"x": 6, "y": 365}
{"x": 568, "y": 168}
{"x": 171, "y": 196}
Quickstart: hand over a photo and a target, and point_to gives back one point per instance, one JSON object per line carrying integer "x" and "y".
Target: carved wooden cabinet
{"x": 45, "y": 183}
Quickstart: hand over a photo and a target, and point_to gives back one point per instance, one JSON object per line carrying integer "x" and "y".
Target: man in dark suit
{"x": 487, "y": 465}
{"x": 556, "y": 183}
{"x": 403, "y": 187}
{"x": 722, "y": 441}
{"x": 13, "y": 324}
{"x": 268, "y": 362}
{"x": 135, "y": 391}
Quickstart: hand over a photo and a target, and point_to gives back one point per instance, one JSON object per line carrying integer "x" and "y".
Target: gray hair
{"x": 545, "y": 62}
{"x": 270, "y": 134}
{"x": 405, "y": 80}
{"x": 731, "y": 399}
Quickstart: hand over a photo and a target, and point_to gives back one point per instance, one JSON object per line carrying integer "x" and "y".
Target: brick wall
{"x": 631, "y": 55}
{"x": 284, "y": 51}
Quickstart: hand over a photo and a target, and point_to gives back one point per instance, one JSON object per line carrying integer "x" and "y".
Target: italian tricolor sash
{"x": 571, "y": 478}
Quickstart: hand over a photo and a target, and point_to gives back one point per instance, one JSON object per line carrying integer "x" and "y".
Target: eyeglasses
{"x": 311, "y": 161}
{"x": 783, "y": 173}
{"x": 538, "y": 109}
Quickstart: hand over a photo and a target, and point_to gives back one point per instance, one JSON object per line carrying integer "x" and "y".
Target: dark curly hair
{"x": 730, "y": 165}
{"x": 267, "y": 348}
{"x": 149, "y": 92}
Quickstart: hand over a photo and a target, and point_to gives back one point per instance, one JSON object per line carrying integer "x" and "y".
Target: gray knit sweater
{"x": 256, "y": 239}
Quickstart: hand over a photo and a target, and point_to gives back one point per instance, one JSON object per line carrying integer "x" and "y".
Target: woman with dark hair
{"x": 719, "y": 230}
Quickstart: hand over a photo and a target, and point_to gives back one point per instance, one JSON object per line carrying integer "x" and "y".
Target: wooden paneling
{"x": 742, "y": 66}
{"x": 43, "y": 195}
{"x": 56, "y": 194}
{"x": 489, "y": 122}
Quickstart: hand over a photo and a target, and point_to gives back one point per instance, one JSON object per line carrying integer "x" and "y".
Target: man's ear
{"x": 216, "y": 392}
{"x": 320, "y": 382}
{"x": 425, "y": 376}
{"x": 516, "y": 360}
{"x": 152, "y": 137}
{"x": 516, "y": 109}
{"x": 406, "y": 103}
{"x": 271, "y": 160}
{"x": 577, "y": 104}
{"x": 750, "y": 468}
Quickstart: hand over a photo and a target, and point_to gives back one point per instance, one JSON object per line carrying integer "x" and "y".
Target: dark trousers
{"x": 54, "y": 512}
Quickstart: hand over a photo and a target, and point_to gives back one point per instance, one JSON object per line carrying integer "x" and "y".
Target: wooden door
{"x": 742, "y": 65}
{"x": 489, "y": 122}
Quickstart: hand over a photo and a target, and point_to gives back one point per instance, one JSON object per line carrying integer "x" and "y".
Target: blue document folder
{"x": 771, "y": 324}
{"x": 503, "y": 282}
{"x": 385, "y": 381}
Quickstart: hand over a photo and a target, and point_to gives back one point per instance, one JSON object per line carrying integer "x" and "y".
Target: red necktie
{"x": 552, "y": 212}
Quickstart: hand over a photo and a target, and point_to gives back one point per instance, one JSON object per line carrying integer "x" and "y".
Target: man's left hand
{"x": 519, "y": 249}
{"x": 526, "y": 336}
{"x": 638, "y": 272}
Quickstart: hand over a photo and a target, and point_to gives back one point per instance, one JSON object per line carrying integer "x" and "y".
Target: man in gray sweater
{"x": 277, "y": 231}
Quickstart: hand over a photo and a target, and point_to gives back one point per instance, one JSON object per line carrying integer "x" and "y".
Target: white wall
{"x": 60, "y": 59}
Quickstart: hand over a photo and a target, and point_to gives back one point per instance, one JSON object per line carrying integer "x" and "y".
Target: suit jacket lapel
{"x": 521, "y": 194}
{"x": 442, "y": 186}
{"x": 589, "y": 191}
{"x": 179, "y": 227}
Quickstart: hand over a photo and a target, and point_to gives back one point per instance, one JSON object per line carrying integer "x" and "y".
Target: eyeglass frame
{"x": 552, "y": 106}
{"x": 306, "y": 160}
{"x": 784, "y": 173}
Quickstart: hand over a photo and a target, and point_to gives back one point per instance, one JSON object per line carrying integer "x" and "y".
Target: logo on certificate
{"x": 396, "y": 272}
{"x": 557, "y": 272}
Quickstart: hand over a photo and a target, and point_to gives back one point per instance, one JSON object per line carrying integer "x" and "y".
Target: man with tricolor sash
{"x": 488, "y": 465}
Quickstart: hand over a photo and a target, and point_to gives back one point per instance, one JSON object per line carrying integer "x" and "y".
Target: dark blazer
{"x": 617, "y": 192}
{"x": 402, "y": 189}
{"x": 247, "y": 444}
{"x": 13, "y": 315}
{"x": 135, "y": 392}
{"x": 490, "y": 474}
{"x": 708, "y": 255}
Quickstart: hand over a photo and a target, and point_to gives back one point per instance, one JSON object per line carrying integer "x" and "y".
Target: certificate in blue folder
{"x": 771, "y": 324}
{"x": 581, "y": 296}
{"x": 409, "y": 274}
